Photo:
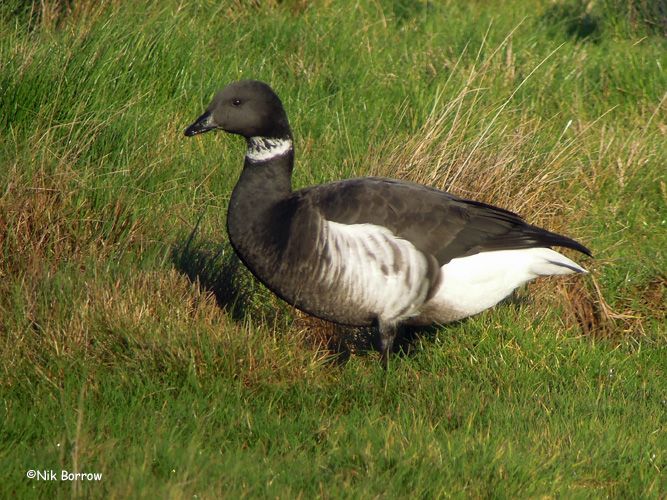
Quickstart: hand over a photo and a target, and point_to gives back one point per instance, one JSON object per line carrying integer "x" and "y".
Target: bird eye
{"x": 236, "y": 102}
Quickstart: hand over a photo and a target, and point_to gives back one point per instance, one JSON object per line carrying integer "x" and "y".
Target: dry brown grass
{"x": 155, "y": 322}
{"x": 491, "y": 154}
{"x": 44, "y": 223}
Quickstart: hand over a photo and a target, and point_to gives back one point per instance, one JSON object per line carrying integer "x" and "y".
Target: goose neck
{"x": 263, "y": 183}
{"x": 267, "y": 171}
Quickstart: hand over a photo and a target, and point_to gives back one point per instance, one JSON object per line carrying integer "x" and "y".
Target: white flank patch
{"x": 265, "y": 148}
{"x": 469, "y": 285}
{"x": 374, "y": 271}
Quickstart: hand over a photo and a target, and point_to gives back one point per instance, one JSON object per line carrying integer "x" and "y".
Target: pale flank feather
{"x": 376, "y": 271}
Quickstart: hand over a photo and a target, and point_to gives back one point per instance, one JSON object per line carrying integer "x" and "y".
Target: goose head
{"x": 249, "y": 108}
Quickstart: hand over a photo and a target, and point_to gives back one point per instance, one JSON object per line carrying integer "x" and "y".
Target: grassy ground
{"x": 133, "y": 344}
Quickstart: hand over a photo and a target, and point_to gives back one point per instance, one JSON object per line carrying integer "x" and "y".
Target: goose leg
{"x": 387, "y": 334}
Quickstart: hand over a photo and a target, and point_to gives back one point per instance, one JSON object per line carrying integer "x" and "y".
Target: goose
{"x": 368, "y": 251}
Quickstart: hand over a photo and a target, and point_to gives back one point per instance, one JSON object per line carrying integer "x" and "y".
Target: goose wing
{"x": 435, "y": 222}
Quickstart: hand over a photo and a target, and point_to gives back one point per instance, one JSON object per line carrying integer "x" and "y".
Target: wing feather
{"x": 435, "y": 222}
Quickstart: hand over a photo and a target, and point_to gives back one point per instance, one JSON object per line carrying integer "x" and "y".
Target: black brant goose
{"x": 369, "y": 251}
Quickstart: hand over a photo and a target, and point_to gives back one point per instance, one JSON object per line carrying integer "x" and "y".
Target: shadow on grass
{"x": 215, "y": 267}
{"x": 341, "y": 342}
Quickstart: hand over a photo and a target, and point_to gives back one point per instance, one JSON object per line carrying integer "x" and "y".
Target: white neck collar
{"x": 267, "y": 148}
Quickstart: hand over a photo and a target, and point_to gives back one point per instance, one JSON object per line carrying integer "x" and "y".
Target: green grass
{"x": 134, "y": 344}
